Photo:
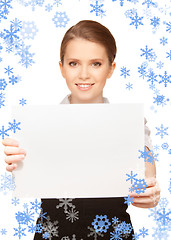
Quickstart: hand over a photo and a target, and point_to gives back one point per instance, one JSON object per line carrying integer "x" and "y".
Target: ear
{"x": 62, "y": 69}
{"x": 112, "y": 68}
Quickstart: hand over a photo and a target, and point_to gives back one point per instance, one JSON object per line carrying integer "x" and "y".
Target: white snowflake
{"x": 28, "y": 30}
{"x": 65, "y": 202}
{"x": 72, "y": 215}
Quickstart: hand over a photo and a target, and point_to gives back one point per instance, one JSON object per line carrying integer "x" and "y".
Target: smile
{"x": 84, "y": 86}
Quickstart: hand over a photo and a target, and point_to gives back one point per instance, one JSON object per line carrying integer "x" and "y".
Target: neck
{"x": 74, "y": 100}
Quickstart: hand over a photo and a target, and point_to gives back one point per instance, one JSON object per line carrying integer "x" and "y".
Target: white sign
{"x": 78, "y": 150}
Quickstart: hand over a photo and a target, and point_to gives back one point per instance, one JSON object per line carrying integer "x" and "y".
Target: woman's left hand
{"x": 150, "y": 197}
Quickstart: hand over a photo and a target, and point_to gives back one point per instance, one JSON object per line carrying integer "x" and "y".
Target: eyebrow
{"x": 93, "y": 59}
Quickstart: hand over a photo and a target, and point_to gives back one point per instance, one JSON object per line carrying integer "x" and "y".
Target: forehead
{"x": 81, "y": 48}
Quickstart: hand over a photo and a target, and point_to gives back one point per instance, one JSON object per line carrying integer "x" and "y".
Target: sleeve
{"x": 147, "y": 137}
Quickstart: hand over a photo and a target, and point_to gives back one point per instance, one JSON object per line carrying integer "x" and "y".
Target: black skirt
{"x": 84, "y": 218}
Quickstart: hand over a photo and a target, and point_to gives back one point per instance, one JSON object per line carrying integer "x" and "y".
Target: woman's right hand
{"x": 13, "y": 153}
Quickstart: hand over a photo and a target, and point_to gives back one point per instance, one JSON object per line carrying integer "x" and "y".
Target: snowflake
{"x": 98, "y": 9}
{"x": 57, "y": 2}
{"x": 163, "y": 216}
{"x": 128, "y": 200}
{"x": 32, "y": 3}
{"x": 115, "y": 220}
{"x": 3, "y": 231}
{"x": 130, "y": 13}
{"x": 124, "y": 72}
{"x": 24, "y": 217}
{"x": 165, "y": 146}
{"x": 163, "y": 203}
{"x": 13, "y": 80}
{"x": 14, "y": 126}
{"x": 169, "y": 55}
{"x": 143, "y": 232}
{"x": 165, "y": 78}
{"x": 131, "y": 177}
{"x": 10, "y": 35}
{"x": 129, "y": 86}
{"x": 65, "y": 202}
{"x": 15, "y": 201}
{"x": 26, "y": 56}
{"x": 60, "y": 19}
{"x": 152, "y": 77}
{"x": 94, "y": 233}
{"x": 160, "y": 234}
{"x": 155, "y": 22}
{"x": 142, "y": 70}
{"x": 168, "y": 27}
{"x": 48, "y": 7}
{"x": 135, "y": 236}
{"x": 160, "y": 100}
{"x": 32, "y": 228}
{"x": 4, "y": 6}
{"x": 16, "y": 24}
{"x": 139, "y": 186}
{"x": 39, "y": 228}
{"x": 149, "y": 55}
{"x": 115, "y": 235}
{"x": 28, "y": 30}
{"x": 149, "y": 3}
{"x": 101, "y": 223}
{"x": 19, "y": 231}
{"x": 35, "y": 205}
{"x": 7, "y": 183}
{"x": 8, "y": 70}
{"x": 50, "y": 228}
{"x": 72, "y": 215}
{"x": 148, "y": 156}
{"x": 22, "y": 101}
{"x": 42, "y": 215}
{"x": 161, "y": 131}
{"x": 136, "y": 21}
{"x": 2, "y": 97}
{"x": 3, "y": 132}
{"x": 124, "y": 228}
{"x": 163, "y": 41}
{"x": 3, "y": 84}
{"x": 160, "y": 65}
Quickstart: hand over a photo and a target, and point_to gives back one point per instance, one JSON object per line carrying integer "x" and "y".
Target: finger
{"x": 14, "y": 150}
{"x": 146, "y": 200}
{"x": 151, "y": 181}
{"x": 150, "y": 191}
{"x": 139, "y": 205}
{"x": 14, "y": 158}
{"x": 10, "y": 142}
{"x": 11, "y": 167}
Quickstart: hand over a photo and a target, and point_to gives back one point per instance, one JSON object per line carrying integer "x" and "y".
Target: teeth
{"x": 84, "y": 85}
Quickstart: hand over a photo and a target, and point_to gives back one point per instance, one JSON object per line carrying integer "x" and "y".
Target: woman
{"x": 87, "y": 55}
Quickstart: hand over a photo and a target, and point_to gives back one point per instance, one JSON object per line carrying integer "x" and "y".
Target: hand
{"x": 13, "y": 153}
{"x": 150, "y": 197}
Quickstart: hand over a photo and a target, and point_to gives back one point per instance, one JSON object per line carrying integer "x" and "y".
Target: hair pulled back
{"x": 92, "y": 31}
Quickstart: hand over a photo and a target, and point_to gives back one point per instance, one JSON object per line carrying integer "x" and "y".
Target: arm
{"x": 151, "y": 196}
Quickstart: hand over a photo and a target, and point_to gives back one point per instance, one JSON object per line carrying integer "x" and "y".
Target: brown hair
{"x": 92, "y": 31}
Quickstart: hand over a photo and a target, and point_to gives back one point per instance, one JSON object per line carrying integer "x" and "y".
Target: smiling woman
{"x": 87, "y": 54}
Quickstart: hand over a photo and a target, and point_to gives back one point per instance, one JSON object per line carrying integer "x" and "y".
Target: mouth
{"x": 84, "y": 86}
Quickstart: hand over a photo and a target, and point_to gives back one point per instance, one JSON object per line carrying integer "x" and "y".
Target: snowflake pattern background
{"x": 30, "y": 36}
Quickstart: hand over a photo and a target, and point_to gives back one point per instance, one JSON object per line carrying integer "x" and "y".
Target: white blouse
{"x": 147, "y": 138}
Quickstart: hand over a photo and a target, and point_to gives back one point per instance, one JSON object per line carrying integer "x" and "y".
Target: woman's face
{"x": 86, "y": 62}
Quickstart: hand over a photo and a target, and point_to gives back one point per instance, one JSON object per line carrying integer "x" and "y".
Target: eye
{"x": 72, "y": 63}
{"x": 97, "y": 64}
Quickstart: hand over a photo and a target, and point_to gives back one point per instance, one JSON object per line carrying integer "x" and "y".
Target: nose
{"x": 84, "y": 72}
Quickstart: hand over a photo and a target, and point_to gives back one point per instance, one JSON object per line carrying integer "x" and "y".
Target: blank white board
{"x": 78, "y": 150}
